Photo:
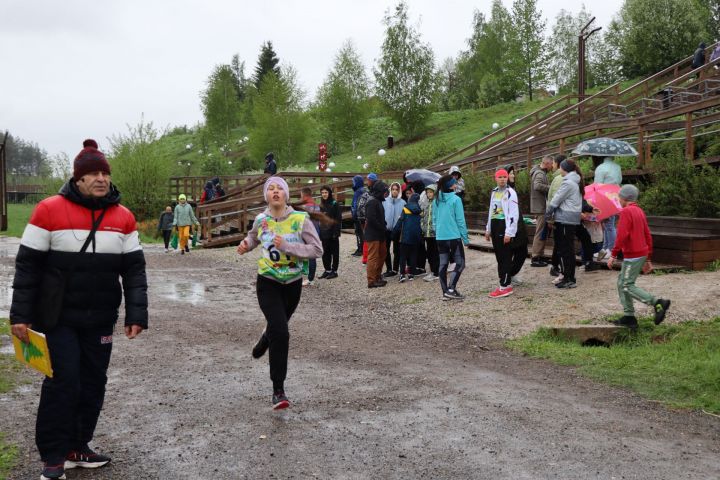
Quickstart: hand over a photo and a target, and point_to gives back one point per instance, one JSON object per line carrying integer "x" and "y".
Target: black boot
{"x": 626, "y": 321}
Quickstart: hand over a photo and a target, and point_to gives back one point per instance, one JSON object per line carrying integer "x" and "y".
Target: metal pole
{"x": 3, "y": 185}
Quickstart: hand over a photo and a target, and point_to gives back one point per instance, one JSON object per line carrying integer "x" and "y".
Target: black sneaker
{"x": 324, "y": 274}
{"x": 261, "y": 346}
{"x": 554, "y": 272}
{"x": 626, "y": 321}
{"x": 567, "y": 284}
{"x": 53, "y": 471}
{"x": 187, "y": 249}
{"x": 538, "y": 262}
{"x": 182, "y": 252}
{"x": 661, "y": 307}
{"x": 592, "y": 267}
{"x": 410, "y": 277}
{"x": 356, "y": 253}
{"x": 378, "y": 284}
{"x": 280, "y": 400}
{"x": 331, "y": 275}
{"x": 402, "y": 278}
{"x": 86, "y": 458}
{"x": 389, "y": 273}
{"x": 452, "y": 295}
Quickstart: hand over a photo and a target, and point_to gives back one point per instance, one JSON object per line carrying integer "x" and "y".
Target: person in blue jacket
{"x": 451, "y": 234}
{"x": 358, "y": 189}
{"x": 410, "y": 237}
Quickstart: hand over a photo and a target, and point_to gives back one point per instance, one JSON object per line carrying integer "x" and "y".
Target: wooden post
{"x": 529, "y": 158}
{"x": 689, "y": 140}
{"x": 641, "y": 148}
{"x": 562, "y": 146}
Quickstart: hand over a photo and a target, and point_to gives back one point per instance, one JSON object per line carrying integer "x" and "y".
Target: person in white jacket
{"x": 503, "y": 228}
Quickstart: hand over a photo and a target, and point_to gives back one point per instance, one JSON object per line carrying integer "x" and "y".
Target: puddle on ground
{"x": 193, "y": 293}
{"x": 6, "y": 292}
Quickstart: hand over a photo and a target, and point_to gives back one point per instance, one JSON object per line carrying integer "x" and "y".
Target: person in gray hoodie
{"x": 566, "y": 207}
{"x": 393, "y": 206}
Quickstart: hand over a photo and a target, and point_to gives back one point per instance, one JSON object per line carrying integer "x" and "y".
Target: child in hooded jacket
{"x": 330, "y": 233}
{"x": 410, "y": 237}
{"x": 451, "y": 234}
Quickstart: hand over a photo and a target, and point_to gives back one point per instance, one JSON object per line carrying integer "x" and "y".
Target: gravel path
{"x": 386, "y": 383}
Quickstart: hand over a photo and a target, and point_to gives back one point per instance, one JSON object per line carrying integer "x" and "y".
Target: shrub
{"x": 680, "y": 189}
{"x": 417, "y": 155}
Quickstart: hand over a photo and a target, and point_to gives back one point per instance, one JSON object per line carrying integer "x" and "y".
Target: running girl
{"x": 288, "y": 238}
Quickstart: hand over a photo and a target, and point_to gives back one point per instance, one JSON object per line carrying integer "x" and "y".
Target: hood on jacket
{"x": 72, "y": 193}
{"x": 330, "y": 198}
{"x": 413, "y": 203}
{"x": 400, "y": 190}
{"x": 378, "y": 190}
{"x": 358, "y": 182}
{"x": 455, "y": 169}
{"x": 286, "y": 213}
{"x": 573, "y": 177}
{"x": 702, "y": 45}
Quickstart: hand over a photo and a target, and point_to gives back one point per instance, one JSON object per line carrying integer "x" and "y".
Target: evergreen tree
{"x": 529, "y": 45}
{"x": 279, "y": 123}
{"x": 220, "y": 103}
{"x": 343, "y": 99}
{"x": 238, "y": 68}
{"x": 405, "y": 75}
{"x": 267, "y": 62}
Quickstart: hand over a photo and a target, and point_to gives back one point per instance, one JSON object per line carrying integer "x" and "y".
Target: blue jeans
{"x": 609, "y": 233}
{"x": 450, "y": 249}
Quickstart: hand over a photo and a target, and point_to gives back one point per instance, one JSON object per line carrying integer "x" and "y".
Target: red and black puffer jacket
{"x": 54, "y": 237}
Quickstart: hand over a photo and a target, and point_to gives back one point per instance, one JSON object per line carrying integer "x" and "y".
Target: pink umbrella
{"x": 604, "y": 197}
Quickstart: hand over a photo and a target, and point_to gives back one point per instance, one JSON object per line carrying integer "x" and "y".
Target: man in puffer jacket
{"x": 60, "y": 254}
{"x": 566, "y": 207}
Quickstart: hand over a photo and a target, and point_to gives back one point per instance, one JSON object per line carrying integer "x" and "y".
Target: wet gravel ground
{"x": 385, "y": 383}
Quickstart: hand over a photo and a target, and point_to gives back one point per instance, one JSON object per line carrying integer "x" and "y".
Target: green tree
{"x": 651, "y": 35}
{"x": 140, "y": 170}
{"x": 220, "y": 104}
{"x": 238, "y": 68}
{"x": 279, "y": 123}
{"x": 712, "y": 17}
{"x": 529, "y": 46}
{"x": 343, "y": 99}
{"x": 267, "y": 62}
{"x": 405, "y": 77}
{"x": 487, "y": 71}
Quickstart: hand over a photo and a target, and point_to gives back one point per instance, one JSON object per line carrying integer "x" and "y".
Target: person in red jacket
{"x": 635, "y": 243}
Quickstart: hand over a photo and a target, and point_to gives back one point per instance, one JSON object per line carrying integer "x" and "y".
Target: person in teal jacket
{"x": 450, "y": 234}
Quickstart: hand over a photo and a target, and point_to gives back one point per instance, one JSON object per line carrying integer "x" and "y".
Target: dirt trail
{"x": 378, "y": 392}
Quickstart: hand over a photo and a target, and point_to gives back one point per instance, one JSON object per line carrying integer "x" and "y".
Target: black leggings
{"x": 392, "y": 261}
{"x": 433, "y": 257}
{"x": 166, "y": 237}
{"x": 331, "y": 254}
{"x": 565, "y": 239}
{"x": 587, "y": 247}
{"x": 510, "y": 258}
{"x": 278, "y": 302}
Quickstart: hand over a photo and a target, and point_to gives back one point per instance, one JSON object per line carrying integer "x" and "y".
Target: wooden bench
{"x": 691, "y": 243}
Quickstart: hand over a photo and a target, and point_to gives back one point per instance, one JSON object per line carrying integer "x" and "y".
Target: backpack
{"x": 362, "y": 205}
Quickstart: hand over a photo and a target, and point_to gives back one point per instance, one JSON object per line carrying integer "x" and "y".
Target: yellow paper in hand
{"x": 35, "y": 353}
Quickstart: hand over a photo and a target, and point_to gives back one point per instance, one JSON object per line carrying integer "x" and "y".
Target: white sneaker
{"x": 558, "y": 279}
{"x": 308, "y": 283}
{"x": 167, "y": 250}
{"x": 515, "y": 281}
{"x": 601, "y": 254}
{"x": 430, "y": 277}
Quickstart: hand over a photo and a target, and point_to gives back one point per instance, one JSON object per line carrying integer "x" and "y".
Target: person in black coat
{"x": 270, "y": 165}
{"x": 330, "y": 234}
{"x": 699, "y": 56}
{"x": 375, "y": 234}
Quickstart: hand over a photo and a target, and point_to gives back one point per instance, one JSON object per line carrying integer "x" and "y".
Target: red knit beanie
{"x": 89, "y": 160}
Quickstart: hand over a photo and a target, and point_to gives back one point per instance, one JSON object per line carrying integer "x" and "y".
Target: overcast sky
{"x": 74, "y": 69}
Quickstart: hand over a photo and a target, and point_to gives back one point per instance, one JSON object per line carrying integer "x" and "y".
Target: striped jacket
{"x": 54, "y": 237}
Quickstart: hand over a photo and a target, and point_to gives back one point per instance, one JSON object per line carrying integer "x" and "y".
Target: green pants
{"x": 627, "y": 289}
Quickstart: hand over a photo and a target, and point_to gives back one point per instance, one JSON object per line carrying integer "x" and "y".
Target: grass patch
{"x": 18, "y": 217}
{"x": 10, "y": 369}
{"x": 678, "y": 365}
{"x": 8, "y": 454}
